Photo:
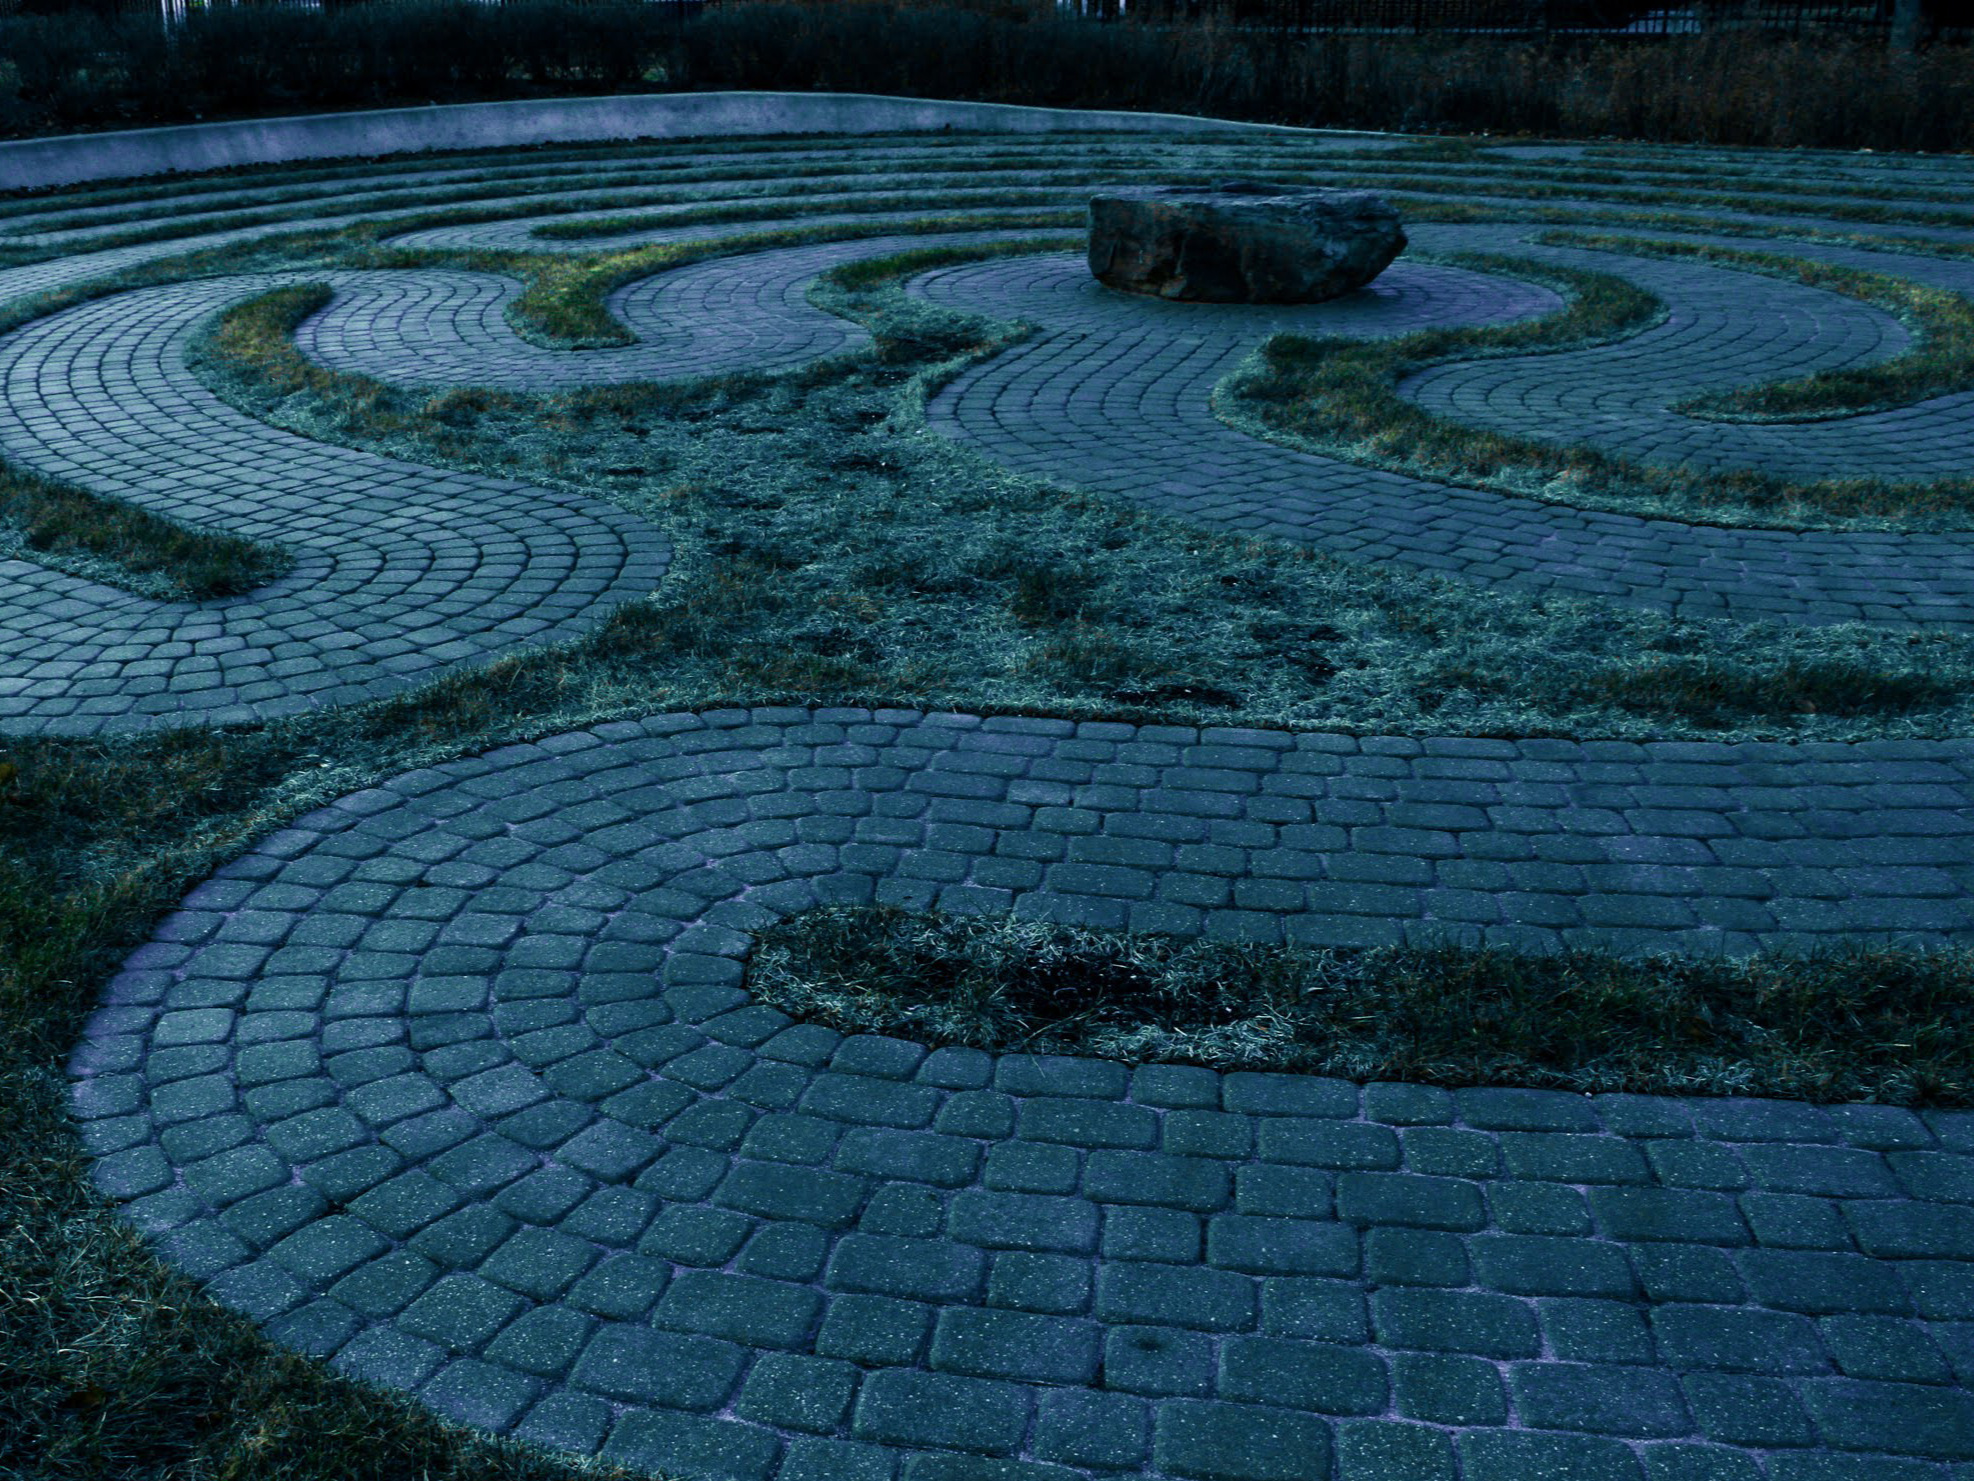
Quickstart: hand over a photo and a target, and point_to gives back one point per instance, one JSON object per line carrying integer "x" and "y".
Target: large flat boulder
{"x": 1241, "y": 242}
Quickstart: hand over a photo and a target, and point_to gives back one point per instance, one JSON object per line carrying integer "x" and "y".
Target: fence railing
{"x": 1613, "y": 18}
{"x": 1949, "y": 20}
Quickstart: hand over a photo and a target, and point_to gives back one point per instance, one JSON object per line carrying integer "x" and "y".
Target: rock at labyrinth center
{"x": 1241, "y": 242}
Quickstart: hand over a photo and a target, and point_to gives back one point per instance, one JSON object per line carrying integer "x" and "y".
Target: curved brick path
{"x": 402, "y": 571}
{"x": 1093, "y": 404}
{"x": 1726, "y": 329}
{"x": 748, "y": 312}
{"x": 453, "y": 1082}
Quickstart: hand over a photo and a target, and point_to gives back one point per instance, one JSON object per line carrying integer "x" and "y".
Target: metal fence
{"x": 1948, "y": 20}
{"x": 1606, "y": 18}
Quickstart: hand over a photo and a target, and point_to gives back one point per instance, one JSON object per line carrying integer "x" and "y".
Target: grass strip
{"x": 516, "y": 199}
{"x": 795, "y": 203}
{"x": 1939, "y": 364}
{"x": 1888, "y": 1025}
{"x": 1340, "y": 398}
{"x": 84, "y": 534}
{"x": 1372, "y": 173}
{"x": 829, "y": 552}
{"x": 563, "y": 301}
{"x": 1802, "y": 203}
{"x": 420, "y": 213}
{"x": 655, "y": 183}
{"x": 261, "y": 332}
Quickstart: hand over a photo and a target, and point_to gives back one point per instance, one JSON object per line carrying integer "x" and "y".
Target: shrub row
{"x": 81, "y": 70}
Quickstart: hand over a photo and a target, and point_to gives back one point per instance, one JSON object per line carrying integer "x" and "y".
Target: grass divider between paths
{"x": 72, "y": 530}
{"x": 1892, "y": 1025}
{"x": 1940, "y": 364}
{"x": 1340, "y": 398}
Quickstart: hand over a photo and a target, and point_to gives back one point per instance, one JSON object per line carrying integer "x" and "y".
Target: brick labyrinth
{"x": 454, "y": 1082}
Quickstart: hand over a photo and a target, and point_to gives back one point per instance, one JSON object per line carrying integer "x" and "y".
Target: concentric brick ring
{"x": 746, "y": 312}
{"x": 402, "y": 573}
{"x": 751, "y": 310}
{"x": 1727, "y": 328}
{"x": 1102, "y": 403}
{"x": 455, "y": 1083}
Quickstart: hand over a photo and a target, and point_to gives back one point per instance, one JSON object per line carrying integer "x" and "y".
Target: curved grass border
{"x": 1340, "y": 399}
{"x": 1889, "y": 1025}
{"x": 254, "y": 340}
{"x": 1070, "y": 618}
{"x": 1365, "y": 169}
{"x": 99, "y": 539}
{"x": 463, "y": 203}
{"x": 563, "y": 302}
{"x": 1940, "y": 362}
{"x": 802, "y": 202}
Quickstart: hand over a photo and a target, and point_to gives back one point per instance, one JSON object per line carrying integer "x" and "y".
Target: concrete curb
{"x": 70, "y": 159}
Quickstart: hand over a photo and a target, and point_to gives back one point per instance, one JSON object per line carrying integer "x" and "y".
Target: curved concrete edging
{"x": 70, "y": 159}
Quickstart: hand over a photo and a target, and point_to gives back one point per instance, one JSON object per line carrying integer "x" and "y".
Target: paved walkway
{"x": 1094, "y": 401}
{"x": 453, "y": 1082}
{"x": 1107, "y": 401}
{"x": 403, "y": 572}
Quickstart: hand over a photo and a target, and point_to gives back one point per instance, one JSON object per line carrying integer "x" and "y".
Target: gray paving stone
{"x": 1603, "y": 1400}
{"x": 1091, "y": 1428}
{"x": 1211, "y": 1300}
{"x": 460, "y": 1312}
{"x": 1008, "y": 1344}
{"x": 1905, "y": 1419}
{"x": 480, "y": 1394}
{"x": 1743, "y": 1409}
{"x": 900, "y": 1407}
{"x": 1680, "y": 1461}
{"x": 668, "y": 1368}
{"x": 1240, "y": 1442}
{"x": 1449, "y": 1390}
{"x": 874, "y": 1330}
{"x": 719, "y": 1449}
{"x": 1328, "y": 1380}
{"x": 544, "y": 1342}
{"x": 740, "y": 1308}
{"x": 1455, "y": 1321}
{"x": 1159, "y": 1361}
{"x": 789, "y": 1391}
{"x": 1507, "y": 1455}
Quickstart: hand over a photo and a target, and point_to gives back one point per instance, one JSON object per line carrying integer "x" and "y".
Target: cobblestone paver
{"x": 402, "y": 571}
{"x": 749, "y": 312}
{"x": 1112, "y": 398}
{"x": 455, "y": 1082}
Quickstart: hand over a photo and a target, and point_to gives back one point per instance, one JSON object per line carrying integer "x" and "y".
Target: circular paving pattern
{"x": 454, "y": 1084}
{"x": 454, "y": 1081}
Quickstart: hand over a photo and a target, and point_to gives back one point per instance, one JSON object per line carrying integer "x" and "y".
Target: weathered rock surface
{"x": 1241, "y": 242}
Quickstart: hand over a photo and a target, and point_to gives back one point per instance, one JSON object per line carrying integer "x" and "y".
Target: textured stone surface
{"x": 1241, "y": 242}
{"x": 587, "y": 1192}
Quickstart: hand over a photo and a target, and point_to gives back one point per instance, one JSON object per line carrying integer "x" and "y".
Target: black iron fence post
{"x": 1908, "y": 23}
